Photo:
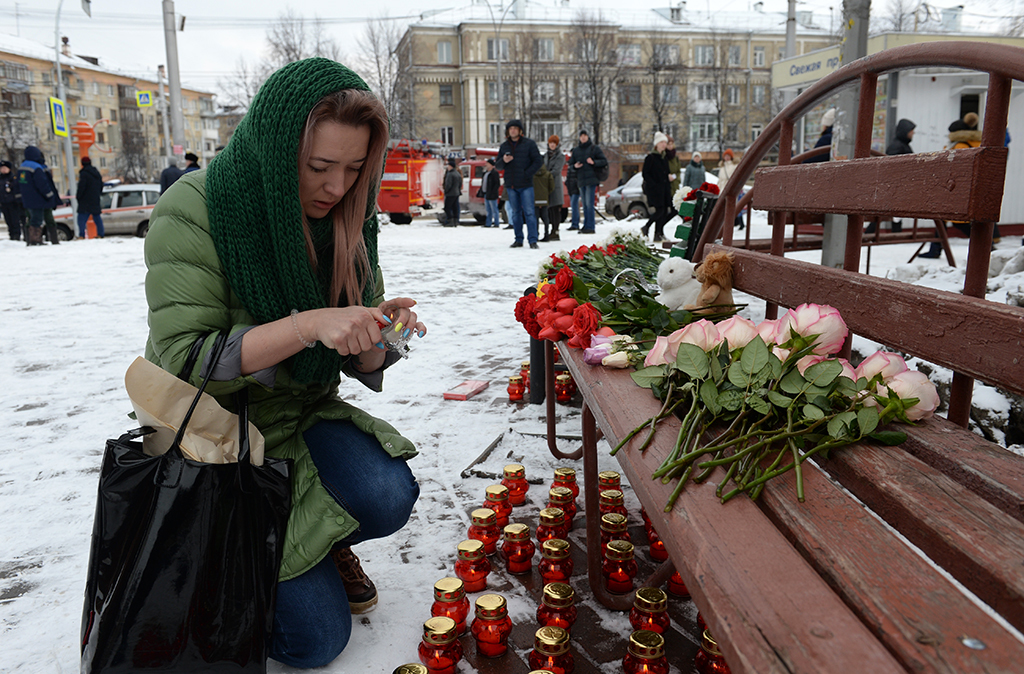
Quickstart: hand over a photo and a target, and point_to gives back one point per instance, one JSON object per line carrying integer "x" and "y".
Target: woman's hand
{"x": 401, "y": 317}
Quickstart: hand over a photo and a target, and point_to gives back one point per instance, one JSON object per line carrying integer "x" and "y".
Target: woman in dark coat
{"x": 657, "y": 188}
{"x": 90, "y": 187}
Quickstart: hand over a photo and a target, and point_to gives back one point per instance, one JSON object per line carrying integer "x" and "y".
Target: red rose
{"x": 563, "y": 281}
{"x": 584, "y": 320}
{"x": 567, "y": 306}
{"x": 525, "y": 306}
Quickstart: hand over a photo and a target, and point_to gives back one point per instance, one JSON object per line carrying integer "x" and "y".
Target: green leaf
{"x": 692, "y": 360}
{"x": 731, "y": 400}
{"x": 839, "y": 426}
{"x": 759, "y": 404}
{"x": 716, "y": 367}
{"x": 819, "y": 401}
{"x": 737, "y": 377}
{"x": 606, "y": 290}
{"x": 646, "y": 377}
{"x": 779, "y": 400}
{"x": 813, "y": 413}
{"x": 709, "y": 396}
{"x": 823, "y": 373}
{"x": 762, "y": 377}
{"x": 776, "y": 365}
{"x": 867, "y": 420}
{"x": 793, "y": 383}
{"x": 755, "y": 356}
{"x": 890, "y": 438}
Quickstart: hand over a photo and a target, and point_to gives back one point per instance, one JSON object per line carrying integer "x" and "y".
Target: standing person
{"x": 191, "y": 162}
{"x": 555, "y": 161}
{"x": 900, "y": 145}
{"x": 452, "y": 190}
{"x": 90, "y": 188}
{"x": 675, "y": 167}
{"x": 543, "y": 183}
{"x": 694, "y": 176}
{"x": 10, "y": 200}
{"x": 275, "y": 246}
{"x": 491, "y": 186}
{"x": 169, "y": 175}
{"x": 520, "y": 159}
{"x": 725, "y": 172}
{"x": 39, "y": 196}
{"x": 657, "y": 184}
{"x": 828, "y": 120}
{"x": 587, "y": 158}
{"x": 574, "y": 197}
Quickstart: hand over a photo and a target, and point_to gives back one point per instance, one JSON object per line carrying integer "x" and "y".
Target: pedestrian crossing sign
{"x": 144, "y": 99}
{"x": 58, "y": 117}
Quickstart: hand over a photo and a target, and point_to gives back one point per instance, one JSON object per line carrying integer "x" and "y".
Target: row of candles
{"x": 519, "y": 385}
{"x": 440, "y": 649}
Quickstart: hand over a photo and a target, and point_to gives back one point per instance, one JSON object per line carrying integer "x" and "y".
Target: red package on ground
{"x": 466, "y": 390}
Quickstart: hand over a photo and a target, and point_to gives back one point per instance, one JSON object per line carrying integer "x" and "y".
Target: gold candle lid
{"x": 484, "y": 517}
{"x": 525, "y": 365}
{"x": 439, "y": 631}
{"x": 613, "y": 522}
{"x": 609, "y": 477}
{"x": 411, "y": 668}
{"x": 490, "y": 606}
{"x": 551, "y": 640}
{"x": 611, "y": 497}
{"x": 449, "y": 590}
{"x": 651, "y": 599}
{"x": 515, "y": 379}
{"x": 646, "y": 644}
{"x": 563, "y": 377}
{"x": 514, "y": 471}
{"x": 560, "y": 495}
{"x": 516, "y": 532}
{"x": 470, "y": 549}
{"x": 709, "y": 644}
{"x": 496, "y": 492}
{"x": 558, "y": 595}
{"x": 565, "y": 474}
{"x": 551, "y": 517}
{"x": 619, "y": 550}
{"x": 555, "y": 548}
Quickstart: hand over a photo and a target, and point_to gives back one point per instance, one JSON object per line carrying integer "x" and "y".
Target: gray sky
{"x": 128, "y": 34}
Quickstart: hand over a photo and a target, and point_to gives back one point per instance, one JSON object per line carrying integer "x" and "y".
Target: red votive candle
{"x": 514, "y": 479}
{"x": 491, "y": 626}
{"x": 557, "y": 607}
{"x": 650, "y": 610}
{"x": 552, "y": 525}
{"x": 496, "y": 498}
{"x": 645, "y": 654}
{"x": 472, "y": 565}
{"x": 551, "y": 651}
{"x": 440, "y": 649}
{"x": 619, "y": 568}
{"x": 518, "y": 549}
{"x": 555, "y": 564}
{"x": 450, "y": 601}
{"x": 485, "y": 529}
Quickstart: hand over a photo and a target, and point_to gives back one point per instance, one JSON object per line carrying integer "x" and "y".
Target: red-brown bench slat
{"x": 917, "y": 612}
{"x": 981, "y": 339}
{"x": 962, "y": 185}
{"x": 770, "y": 609}
{"x": 979, "y": 545}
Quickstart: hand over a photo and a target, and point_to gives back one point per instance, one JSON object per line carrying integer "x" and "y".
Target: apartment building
{"x": 129, "y": 138}
{"x": 704, "y": 79}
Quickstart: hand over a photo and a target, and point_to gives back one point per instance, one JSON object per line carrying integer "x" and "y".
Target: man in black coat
{"x": 519, "y": 157}
{"x": 587, "y": 159}
{"x": 10, "y": 200}
{"x": 452, "y": 189}
{"x": 900, "y": 145}
{"x": 491, "y": 185}
{"x": 169, "y": 175}
{"x": 90, "y": 187}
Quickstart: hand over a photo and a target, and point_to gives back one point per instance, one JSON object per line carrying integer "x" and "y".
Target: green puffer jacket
{"x": 188, "y": 295}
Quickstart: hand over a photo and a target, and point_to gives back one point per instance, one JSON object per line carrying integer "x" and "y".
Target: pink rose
{"x": 807, "y": 361}
{"x": 815, "y": 319}
{"x": 596, "y": 340}
{"x": 738, "y": 331}
{"x": 656, "y": 356}
{"x": 768, "y": 330}
{"x": 848, "y": 370}
{"x": 886, "y": 363}
{"x": 703, "y": 333}
{"x": 595, "y": 354}
{"x": 915, "y": 384}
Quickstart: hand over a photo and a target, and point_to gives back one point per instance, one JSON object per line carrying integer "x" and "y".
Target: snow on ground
{"x": 74, "y": 318}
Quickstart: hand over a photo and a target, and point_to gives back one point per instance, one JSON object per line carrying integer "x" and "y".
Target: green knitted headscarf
{"x": 256, "y": 217}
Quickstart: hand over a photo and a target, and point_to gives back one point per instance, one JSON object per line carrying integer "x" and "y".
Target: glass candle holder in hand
{"x": 645, "y": 654}
{"x": 491, "y": 626}
{"x": 450, "y": 600}
{"x": 650, "y": 610}
{"x": 552, "y": 525}
{"x": 551, "y": 651}
{"x": 557, "y": 607}
{"x": 514, "y": 479}
{"x": 619, "y": 568}
{"x": 555, "y": 564}
{"x": 472, "y": 565}
{"x": 518, "y": 549}
{"x": 485, "y": 529}
{"x": 440, "y": 649}
{"x": 496, "y": 498}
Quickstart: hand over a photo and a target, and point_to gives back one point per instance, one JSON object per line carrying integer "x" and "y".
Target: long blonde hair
{"x": 351, "y": 107}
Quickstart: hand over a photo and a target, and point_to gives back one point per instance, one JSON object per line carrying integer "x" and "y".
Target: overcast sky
{"x": 128, "y": 34}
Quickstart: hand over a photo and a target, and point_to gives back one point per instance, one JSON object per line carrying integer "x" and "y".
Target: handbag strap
{"x": 193, "y": 356}
{"x": 218, "y": 347}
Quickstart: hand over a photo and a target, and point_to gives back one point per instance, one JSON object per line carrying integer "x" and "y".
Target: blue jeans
{"x": 587, "y": 197}
{"x": 493, "y": 217}
{"x": 83, "y": 221}
{"x": 574, "y": 207}
{"x": 521, "y": 202}
{"x": 312, "y": 623}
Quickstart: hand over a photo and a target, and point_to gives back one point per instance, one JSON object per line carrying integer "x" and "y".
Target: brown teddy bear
{"x": 715, "y": 276}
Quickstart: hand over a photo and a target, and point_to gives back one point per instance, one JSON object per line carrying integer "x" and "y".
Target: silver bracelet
{"x": 295, "y": 324}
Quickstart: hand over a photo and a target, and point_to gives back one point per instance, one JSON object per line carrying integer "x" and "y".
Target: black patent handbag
{"x": 184, "y": 558}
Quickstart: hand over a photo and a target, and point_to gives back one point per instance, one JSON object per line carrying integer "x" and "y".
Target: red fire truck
{"x": 412, "y": 181}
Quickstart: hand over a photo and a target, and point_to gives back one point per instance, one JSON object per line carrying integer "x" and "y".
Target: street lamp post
{"x": 497, "y": 47}
{"x": 69, "y": 158}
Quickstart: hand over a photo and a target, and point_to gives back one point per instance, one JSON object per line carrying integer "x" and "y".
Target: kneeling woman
{"x": 275, "y": 246}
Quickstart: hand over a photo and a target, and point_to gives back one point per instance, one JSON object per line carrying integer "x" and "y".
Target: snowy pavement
{"x": 74, "y": 317}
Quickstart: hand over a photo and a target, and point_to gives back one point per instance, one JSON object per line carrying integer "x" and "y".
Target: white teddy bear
{"x": 677, "y": 283}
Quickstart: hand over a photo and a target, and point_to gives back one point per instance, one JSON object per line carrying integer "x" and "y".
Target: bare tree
{"x": 523, "y": 80}
{"x": 898, "y": 16}
{"x": 379, "y": 65}
{"x": 17, "y": 126}
{"x": 599, "y": 71}
{"x": 241, "y": 87}
{"x": 666, "y": 72}
{"x": 1014, "y": 25}
{"x": 132, "y": 161}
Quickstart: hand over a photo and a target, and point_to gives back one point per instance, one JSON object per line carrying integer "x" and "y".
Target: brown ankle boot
{"x": 362, "y": 593}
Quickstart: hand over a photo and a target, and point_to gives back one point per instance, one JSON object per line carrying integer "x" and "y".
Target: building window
{"x": 782, "y": 54}
{"x": 704, "y": 55}
{"x": 543, "y": 130}
{"x": 103, "y": 162}
{"x": 759, "y": 57}
{"x": 15, "y": 71}
{"x": 755, "y": 131}
{"x": 705, "y": 127}
{"x": 630, "y": 54}
{"x": 544, "y": 92}
{"x": 675, "y": 14}
{"x": 492, "y": 52}
{"x": 95, "y": 88}
{"x": 99, "y": 112}
{"x": 665, "y": 54}
{"x": 447, "y": 98}
{"x": 734, "y": 55}
{"x": 630, "y": 94}
{"x": 444, "y": 52}
{"x": 100, "y": 138}
{"x": 82, "y": 112}
{"x": 584, "y": 92}
{"x": 46, "y": 79}
{"x": 448, "y": 135}
{"x": 113, "y": 115}
{"x": 705, "y": 91}
{"x": 492, "y": 92}
{"x": 110, "y": 90}
{"x": 630, "y": 134}
{"x": 670, "y": 130}
{"x": 17, "y": 101}
{"x": 587, "y": 51}
{"x": 667, "y": 93}
{"x": 732, "y": 133}
{"x": 758, "y": 94}
{"x": 495, "y": 132}
{"x": 545, "y": 49}
{"x": 733, "y": 94}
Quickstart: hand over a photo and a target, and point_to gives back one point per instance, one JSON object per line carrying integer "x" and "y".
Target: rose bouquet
{"x": 601, "y": 262}
{"x": 759, "y": 400}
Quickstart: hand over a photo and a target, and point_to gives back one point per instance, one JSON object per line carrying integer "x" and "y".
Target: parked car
{"x": 126, "y": 210}
{"x": 630, "y": 198}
